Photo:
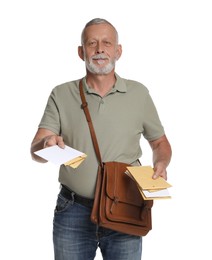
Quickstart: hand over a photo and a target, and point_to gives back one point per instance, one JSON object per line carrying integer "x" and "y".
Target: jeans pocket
{"x": 62, "y": 204}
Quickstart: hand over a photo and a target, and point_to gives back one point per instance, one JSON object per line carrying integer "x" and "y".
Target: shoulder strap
{"x": 84, "y": 106}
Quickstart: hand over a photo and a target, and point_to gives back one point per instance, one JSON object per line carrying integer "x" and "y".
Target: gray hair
{"x": 97, "y": 21}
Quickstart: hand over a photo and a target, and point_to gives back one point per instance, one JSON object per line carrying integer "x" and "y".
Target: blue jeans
{"x": 75, "y": 237}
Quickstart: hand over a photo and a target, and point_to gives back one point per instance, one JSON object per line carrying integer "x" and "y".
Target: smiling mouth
{"x": 100, "y": 61}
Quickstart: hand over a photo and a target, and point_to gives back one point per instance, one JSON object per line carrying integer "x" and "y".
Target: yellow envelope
{"x": 74, "y": 163}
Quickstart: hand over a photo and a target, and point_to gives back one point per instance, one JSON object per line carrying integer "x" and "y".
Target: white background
{"x": 167, "y": 47}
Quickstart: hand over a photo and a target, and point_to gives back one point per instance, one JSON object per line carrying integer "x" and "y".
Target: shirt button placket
{"x": 101, "y": 105}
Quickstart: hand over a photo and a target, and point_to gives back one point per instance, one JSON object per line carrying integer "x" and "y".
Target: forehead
{"x": 97, "y": 31}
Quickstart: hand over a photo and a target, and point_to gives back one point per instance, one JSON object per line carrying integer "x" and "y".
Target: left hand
{"x": 160, "y": 170}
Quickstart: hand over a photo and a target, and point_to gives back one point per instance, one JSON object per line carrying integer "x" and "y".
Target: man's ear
{"x": 118, "y": 51}
{"x": 81, "y": 52}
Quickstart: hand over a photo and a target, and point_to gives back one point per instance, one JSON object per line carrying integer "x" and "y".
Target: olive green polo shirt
{"x": 119, "y": 119}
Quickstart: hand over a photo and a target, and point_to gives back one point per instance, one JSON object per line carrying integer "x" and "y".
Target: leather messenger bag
{"x": 118, "y": 204}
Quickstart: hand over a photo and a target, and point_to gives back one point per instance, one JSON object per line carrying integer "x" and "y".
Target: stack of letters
{"x": 149, "y": 188}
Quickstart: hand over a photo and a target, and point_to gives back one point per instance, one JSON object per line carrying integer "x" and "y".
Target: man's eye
{"x": 91, "y": 44}
{"x": 107, "y": 43}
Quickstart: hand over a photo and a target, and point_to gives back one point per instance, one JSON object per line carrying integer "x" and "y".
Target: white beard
{"x": 100, "y": 71}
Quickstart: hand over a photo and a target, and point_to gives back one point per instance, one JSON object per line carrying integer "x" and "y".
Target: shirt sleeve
{"x": 153, "y": 128}
{"x": 51, "y": 119}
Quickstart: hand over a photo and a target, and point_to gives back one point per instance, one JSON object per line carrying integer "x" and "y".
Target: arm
{"x": 44, "y": 138}
{"x": 161, "y": 156}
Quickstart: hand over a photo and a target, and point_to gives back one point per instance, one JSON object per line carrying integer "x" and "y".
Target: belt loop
{"x": 72, "y": 196}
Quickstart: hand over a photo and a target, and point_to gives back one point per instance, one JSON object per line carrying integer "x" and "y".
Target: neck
{"x": 102, "y": 84}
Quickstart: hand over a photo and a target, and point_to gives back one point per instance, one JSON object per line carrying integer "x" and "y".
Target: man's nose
{"x": 99, "y": 48}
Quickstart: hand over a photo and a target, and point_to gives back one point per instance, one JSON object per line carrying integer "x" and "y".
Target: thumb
{"x": 60, "y": 142}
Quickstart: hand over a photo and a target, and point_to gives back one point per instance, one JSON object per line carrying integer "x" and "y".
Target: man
{"x": 121, "y": 110}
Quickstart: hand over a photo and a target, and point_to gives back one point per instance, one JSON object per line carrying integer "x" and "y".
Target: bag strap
{"x": 84, "y": 106}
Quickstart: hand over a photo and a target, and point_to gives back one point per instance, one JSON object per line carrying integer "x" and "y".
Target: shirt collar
{"x": 120, "y": 85}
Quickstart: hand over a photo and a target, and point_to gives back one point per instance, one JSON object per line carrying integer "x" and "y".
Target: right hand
{"x": 44, "y": 138}
{"x": 53, "y": 140}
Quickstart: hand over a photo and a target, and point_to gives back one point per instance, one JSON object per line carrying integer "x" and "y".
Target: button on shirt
{"x": 119, "y": 119}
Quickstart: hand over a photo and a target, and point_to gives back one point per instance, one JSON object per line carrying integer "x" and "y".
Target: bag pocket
{"x": 123, "y": 202}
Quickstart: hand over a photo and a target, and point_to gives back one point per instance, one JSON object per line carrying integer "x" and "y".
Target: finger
{"x": 60, "y": 142}
{"x": 49, "y": 141}
{"x": 45, "y": 144}
{"x": 155, "y": 176}
{"x": 162, "y": 174}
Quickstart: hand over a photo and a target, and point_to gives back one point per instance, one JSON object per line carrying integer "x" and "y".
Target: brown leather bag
{"x": 118, "y": 204}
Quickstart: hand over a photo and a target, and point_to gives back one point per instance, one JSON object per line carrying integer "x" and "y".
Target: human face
{"x": 100, "y": 49}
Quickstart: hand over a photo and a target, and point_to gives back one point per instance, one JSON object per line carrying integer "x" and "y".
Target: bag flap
{"x": 119, "y": 186}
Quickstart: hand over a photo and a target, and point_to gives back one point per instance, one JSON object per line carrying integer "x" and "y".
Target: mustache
{"x": 99, "y": 56}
